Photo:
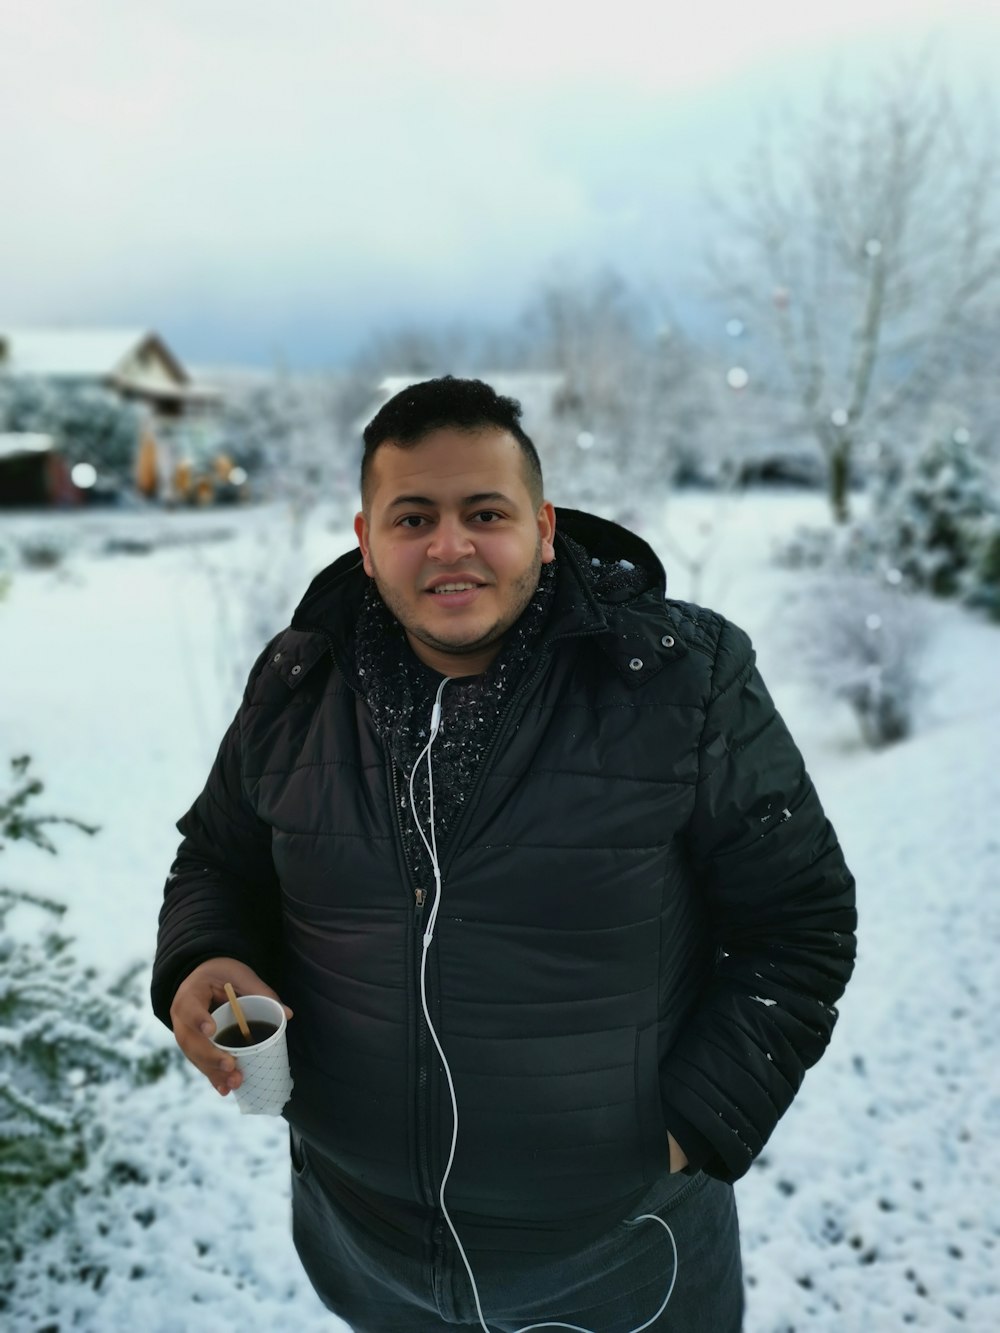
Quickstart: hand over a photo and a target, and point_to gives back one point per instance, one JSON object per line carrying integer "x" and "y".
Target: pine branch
{"x": 16, "y": 825}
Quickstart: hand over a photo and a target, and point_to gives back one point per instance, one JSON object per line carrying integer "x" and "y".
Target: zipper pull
{"x": 421, "y": 897}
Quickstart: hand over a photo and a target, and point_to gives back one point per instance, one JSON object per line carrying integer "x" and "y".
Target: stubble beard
{"x": 522, "y": 591}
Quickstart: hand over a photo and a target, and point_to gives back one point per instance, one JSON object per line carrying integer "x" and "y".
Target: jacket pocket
{"x": 649, "y": 1107}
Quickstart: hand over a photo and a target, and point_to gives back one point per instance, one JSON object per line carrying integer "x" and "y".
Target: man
{"x": 530, "y": 855}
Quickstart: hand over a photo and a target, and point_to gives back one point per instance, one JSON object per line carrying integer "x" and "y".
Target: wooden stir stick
{"x": 235, "y": 1004}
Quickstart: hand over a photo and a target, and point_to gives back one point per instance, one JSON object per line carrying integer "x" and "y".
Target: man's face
{"x": 454, "y": 543}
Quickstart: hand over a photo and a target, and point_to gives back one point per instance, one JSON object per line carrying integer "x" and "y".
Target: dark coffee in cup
{"x": 232, "y": 1036}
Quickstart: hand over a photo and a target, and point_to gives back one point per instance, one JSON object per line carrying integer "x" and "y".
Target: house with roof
{"x": 136, "y": 366}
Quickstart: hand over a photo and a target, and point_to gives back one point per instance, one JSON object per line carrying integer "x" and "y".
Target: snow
{"x": 18, "y": 443}
{"x": 876, "y": 1205}
{"x": 76, "y": 352}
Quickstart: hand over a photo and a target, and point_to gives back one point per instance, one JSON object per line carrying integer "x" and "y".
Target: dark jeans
{"x": 614, "y": 1285}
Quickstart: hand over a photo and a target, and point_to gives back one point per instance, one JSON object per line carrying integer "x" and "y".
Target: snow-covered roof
{"x": 135, "y": 357}
{"x": 86, "y": 353}
{"x": 21, "y": 443}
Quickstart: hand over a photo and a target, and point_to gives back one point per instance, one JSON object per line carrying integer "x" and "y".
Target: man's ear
{"x": 547, "y": 531}
{"x": 361, "y": 532}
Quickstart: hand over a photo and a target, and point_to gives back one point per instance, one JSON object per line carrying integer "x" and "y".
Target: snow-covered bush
{"x": 165, "y": 1231}
{"x": 860, "y": 639}
{"x": 283, "y": 430}
{"x": 64, "y": 1034}
{"x": 89, "y": 425}
{"x": 841, "y": 547}
{"x": 937, "y": 516}
{"x": 252, "y": 598}
{"x": 933, "y": 525}
{"x": 95, "y": 426}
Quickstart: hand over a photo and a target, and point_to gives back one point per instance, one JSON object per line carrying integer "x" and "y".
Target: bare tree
{"x": 630, "y": 413}
{"x": 630, "y": 408}
{"x": 282, "y": 427}
{"x": 864, "y": 256}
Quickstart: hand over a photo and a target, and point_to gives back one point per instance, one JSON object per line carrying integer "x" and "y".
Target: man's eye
{"x": 412, "y": 521}
{"x": 488, "y": 516}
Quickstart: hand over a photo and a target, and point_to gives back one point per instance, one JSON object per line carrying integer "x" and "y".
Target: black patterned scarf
{"x": 399, "y": 689}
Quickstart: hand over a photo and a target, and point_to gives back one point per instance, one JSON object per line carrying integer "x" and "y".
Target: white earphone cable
{"x": 428, "y": 936}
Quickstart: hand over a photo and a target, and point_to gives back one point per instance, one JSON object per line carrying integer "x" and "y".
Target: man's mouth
{"x": 453, "y": 587}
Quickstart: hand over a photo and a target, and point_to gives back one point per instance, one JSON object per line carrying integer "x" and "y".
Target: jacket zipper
{"x": 421, "y": 895}
{"x": 420, "y": 898}
{"x": 422, "y": 1096}
{"x": 421, "y": 1092}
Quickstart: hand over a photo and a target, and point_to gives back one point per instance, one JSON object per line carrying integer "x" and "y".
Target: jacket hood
{"x": 609, "y": 542}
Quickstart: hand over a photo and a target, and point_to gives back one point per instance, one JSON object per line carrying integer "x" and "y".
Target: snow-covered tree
{"x": 64, "y": 1033}
{"x": 420, "y": 352}
{"x": 933, "y": 523}
{"x": 28, "y": 404}
{"x": 632, "y": 413}
{"x": 282, "y": 428}
{"x": 862, "y": 256}
{"x": 89, "y": 424}
{"x": 936, "y": 518}
{"x": 95, "y": 426}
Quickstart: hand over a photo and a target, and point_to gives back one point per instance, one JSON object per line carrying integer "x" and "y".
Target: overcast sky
{"x": 263, "y": 179}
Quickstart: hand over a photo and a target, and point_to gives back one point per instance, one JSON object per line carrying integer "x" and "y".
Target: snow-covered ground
{"x": 877, "y": 1203}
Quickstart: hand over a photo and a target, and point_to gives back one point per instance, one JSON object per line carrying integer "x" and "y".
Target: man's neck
{"x": 454, "y": 664}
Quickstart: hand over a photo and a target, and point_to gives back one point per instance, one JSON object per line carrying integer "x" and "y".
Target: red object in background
{"x": 59, "y": 484}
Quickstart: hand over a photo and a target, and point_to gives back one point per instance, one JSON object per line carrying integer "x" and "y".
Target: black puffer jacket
{"x": 646, "y": 919}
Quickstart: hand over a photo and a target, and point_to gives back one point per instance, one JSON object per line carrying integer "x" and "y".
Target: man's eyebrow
{"x": 481, "y": 497}
{"x": 488, "y": 497}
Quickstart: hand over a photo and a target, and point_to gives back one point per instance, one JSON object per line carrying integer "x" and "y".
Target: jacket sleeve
{"x": 781, "y": 902}
{"x": 221, "y": 897}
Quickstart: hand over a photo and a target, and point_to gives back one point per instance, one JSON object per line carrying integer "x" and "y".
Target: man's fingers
{"x": 218, "y": 1067}
{"x": 204, "y": 1054}
{"x": 202, "y": 991}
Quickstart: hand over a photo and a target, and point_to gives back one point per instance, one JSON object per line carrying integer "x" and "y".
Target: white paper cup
{"x": 267, "y": 1080}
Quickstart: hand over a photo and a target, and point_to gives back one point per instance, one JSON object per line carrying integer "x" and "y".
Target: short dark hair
{"x": 435, "y": 404}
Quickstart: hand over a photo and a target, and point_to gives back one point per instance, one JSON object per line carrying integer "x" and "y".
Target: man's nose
{"x": 449, "y": 542}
